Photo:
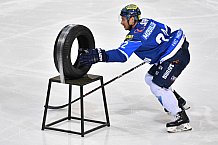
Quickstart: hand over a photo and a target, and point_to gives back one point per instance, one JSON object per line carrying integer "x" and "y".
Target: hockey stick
{"x": 117, "y": 77}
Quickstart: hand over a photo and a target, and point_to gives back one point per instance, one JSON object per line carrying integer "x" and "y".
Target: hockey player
{"x": 156, "y": 44}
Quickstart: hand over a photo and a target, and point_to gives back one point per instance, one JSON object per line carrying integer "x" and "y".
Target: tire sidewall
{"x": 65, "y": 40}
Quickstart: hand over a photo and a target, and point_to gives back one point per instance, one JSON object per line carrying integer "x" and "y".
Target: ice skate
{"x": 181, "y": 123}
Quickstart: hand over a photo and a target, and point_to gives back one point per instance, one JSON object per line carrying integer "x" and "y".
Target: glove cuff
{"x": 103, "y": 57}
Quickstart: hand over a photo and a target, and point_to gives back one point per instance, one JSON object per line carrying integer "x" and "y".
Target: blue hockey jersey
{"x": 150, "y": 40}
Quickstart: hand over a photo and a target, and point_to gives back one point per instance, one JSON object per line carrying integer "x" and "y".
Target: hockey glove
{"x": 92, "y": 56}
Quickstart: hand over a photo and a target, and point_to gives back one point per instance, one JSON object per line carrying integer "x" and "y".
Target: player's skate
{"x": 181, "y": 123}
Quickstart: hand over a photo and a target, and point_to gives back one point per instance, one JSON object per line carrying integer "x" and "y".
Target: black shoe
{"x": 181, "y": 123}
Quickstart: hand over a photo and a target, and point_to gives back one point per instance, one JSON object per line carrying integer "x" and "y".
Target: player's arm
{"x": 121, "y": 54}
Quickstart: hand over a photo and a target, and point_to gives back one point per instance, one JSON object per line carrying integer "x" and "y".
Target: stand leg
{"x": 69, "y": 102}
{"x": 82, "y": 111}
{"x": 105, "y": 102}
{"x": 46, "y": 105}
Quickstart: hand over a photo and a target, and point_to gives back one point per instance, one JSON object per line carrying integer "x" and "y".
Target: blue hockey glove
{"x": 92, "y": 56}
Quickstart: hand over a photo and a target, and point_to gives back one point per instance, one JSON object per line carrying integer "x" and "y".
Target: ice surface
{"x": 27, "y": 34}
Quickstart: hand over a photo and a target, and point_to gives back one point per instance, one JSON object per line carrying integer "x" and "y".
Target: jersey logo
{"x": 139, "y": 30}
{"x": 168, "y": 71}
{"x": 128, "y": 37}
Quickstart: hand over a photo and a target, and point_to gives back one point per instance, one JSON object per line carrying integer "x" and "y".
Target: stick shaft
{"x": 117, "y": 77}
{"x": 108, "y": 82}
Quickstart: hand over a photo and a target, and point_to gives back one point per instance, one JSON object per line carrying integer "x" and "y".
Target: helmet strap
{"x": 131, "y": 25}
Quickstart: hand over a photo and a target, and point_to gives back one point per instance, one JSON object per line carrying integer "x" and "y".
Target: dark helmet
{"x": 131, "y": 10}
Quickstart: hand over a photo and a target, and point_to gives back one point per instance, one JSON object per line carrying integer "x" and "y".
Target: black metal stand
{"x": 79, "y": 82}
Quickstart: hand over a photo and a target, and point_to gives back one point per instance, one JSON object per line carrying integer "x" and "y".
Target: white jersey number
{"x": 160, "y": 37}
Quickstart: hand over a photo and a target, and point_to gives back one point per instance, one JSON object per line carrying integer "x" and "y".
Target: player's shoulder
{"x": 146, "y": 22}
{"x": 143, "y": 22}
{"x": 138, "y": 30}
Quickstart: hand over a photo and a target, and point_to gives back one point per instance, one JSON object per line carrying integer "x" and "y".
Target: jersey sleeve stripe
{"x": 124, "y": 53}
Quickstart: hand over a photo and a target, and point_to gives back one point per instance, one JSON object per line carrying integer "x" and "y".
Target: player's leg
{"x": 168, "y": 73}
{"x": 166, "y": 98}
{"x": 169, "y": 101}
{"x": 148, "y": 79}
{"x": 181, "y": 101}
{"x": 164, "y": 76}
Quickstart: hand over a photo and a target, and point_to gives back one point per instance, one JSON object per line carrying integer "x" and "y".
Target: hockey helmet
{"x": 131, "y": 10}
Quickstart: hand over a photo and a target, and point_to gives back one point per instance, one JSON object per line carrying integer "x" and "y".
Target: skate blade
{"x": 182, "y": 127}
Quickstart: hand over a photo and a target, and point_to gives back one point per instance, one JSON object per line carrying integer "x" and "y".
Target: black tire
{"x": 62, "y": 50}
